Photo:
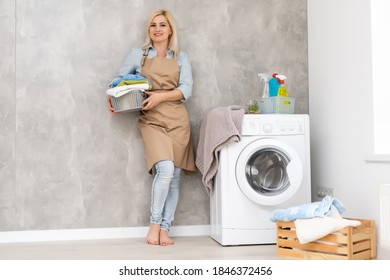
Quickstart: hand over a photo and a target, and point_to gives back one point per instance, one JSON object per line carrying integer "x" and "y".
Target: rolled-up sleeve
{"x": 185, "y": 77}
{"x": 130, "y": 66}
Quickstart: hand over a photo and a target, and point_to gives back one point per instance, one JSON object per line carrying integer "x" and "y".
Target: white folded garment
{"x": 312, "y": 229}
{"x": 122, "y": 90}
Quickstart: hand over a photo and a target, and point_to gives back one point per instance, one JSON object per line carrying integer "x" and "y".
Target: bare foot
{"x": 153, "y": 236}
{"x": 164, "y": 238}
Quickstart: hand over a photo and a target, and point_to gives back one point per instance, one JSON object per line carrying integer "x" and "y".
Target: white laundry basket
{"x": 129, "y": 102}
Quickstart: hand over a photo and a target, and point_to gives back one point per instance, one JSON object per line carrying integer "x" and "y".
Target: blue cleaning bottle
{"x": 273, "y": 85}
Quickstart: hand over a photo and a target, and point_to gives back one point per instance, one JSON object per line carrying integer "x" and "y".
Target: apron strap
{"x": 144, "y": 56}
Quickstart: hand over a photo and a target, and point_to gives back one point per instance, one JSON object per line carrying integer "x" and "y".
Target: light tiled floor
{"x": 186, "y": 248}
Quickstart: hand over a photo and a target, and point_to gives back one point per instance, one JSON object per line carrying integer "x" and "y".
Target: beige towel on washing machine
{"x": 221, "y": 126}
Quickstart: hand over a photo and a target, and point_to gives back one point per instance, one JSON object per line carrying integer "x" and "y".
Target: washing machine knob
{"x": 267, "y": 128}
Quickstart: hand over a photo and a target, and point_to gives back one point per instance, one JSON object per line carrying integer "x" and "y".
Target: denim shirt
{"x": 132, "y": 65}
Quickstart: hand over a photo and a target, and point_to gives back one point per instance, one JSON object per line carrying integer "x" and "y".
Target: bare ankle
{"x": 153, "y": 236}
{"x": 165, "y": 240}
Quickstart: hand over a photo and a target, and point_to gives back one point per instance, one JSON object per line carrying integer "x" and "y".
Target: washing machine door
{"x": 269, "y": 171}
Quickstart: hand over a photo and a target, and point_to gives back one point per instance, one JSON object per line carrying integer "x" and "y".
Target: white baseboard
{"x": 95, "y": 233}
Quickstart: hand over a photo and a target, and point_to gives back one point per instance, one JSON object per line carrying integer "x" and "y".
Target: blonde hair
{"x": 172, "y": 44}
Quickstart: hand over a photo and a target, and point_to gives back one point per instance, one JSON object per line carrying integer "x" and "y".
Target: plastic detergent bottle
{"x": 282, "y": 91}
{"x": 273, "y": 85}
{"x": 264, "y": 86}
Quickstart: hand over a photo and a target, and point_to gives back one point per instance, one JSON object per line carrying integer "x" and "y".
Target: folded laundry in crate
{"x": 315, "y": 220}
{"x": 315, "y": 209}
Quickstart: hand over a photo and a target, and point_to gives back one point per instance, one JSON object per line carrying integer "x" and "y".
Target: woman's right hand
{"x": 112, "y": 110}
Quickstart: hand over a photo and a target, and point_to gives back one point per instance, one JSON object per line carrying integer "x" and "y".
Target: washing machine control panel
{"x": 272, "y": 125}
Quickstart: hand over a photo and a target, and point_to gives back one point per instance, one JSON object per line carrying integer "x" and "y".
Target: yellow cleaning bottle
{"x": 282, "y": 90}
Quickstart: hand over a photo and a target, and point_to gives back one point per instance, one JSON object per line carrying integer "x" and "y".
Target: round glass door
{"x": 269, "y": 171}
{"x": 266, "y": 172}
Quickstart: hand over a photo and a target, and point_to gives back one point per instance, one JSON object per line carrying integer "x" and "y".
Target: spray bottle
{"x": 282, "y": 91}
{"x": 273, "y": 85}
{"x": 264, "y": 89}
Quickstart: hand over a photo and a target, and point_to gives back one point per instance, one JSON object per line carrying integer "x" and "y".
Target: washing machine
{"x": 268, "y": 169}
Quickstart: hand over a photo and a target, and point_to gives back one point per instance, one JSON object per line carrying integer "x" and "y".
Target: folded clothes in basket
{"x": 128, "y": 83}
{"x": 144, "y": 83}
{"x": 129, "y": 79}
{"x": 128, "y": 92}
{"x": 122, "y": 90}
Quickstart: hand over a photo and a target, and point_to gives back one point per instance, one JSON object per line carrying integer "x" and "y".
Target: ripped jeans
{"x": 165, "y": 193}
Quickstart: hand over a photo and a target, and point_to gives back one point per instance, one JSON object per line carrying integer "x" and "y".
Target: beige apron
{"x": 166, "y": 128}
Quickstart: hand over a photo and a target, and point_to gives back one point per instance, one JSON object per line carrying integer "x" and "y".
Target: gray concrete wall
{"x": 65, "y": 161}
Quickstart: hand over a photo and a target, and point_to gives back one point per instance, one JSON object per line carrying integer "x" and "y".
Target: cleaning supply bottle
{"x": 282, "y": 91}
{"x": 264, "y": 86}
{"x": 273, "y": 85}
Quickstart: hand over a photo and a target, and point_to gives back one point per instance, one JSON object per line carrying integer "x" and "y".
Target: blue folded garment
{"x": 128, "y": 77}
{"x": 315, "y": 209}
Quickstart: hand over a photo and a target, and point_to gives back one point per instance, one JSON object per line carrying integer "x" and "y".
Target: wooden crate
{"x": 350, "y": 243}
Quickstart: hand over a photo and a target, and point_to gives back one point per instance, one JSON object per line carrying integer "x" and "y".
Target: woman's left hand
{"x": 153, "y": 99}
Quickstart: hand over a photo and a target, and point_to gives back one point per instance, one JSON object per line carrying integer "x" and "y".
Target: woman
{"x": 164, "y": 122}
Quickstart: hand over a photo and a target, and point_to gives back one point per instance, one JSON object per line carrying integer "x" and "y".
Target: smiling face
{"x": 159, "y": 29}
